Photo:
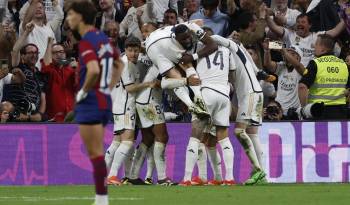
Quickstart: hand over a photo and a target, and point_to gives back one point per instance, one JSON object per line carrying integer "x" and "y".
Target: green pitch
{"x": 281, "y": 194}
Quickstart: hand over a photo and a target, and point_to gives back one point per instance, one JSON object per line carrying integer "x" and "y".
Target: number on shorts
{"x": 158, "y": 109}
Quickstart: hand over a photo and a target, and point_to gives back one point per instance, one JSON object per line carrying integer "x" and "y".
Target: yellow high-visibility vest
{"x": 330, "y": 82}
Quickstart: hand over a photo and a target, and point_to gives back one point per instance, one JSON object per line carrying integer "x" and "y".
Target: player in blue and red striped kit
{"x": 100, "y": 70}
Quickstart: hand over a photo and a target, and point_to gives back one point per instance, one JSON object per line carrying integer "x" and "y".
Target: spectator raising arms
{"x": 35, "y": 13}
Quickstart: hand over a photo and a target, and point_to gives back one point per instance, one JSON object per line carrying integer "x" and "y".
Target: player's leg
{"x": 214, "y": 158}
{"x": 252, "y": 132}
{"x": 202, "y": 161}
{"x": 227, "y": 152}
{"x": 111, "y": 151}
{"x": 92, "y": 136}
{"x": 150, "y": 165}
{"x": 129, "y": 160}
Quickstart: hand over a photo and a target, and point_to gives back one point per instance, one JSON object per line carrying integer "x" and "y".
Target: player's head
{"x": 210, "y": 7}
{"x": 80, "y": 12}
{"x": 147, "y": 29}
{"x": 170, "y": 17}
{"x": 132, "y": 48}
{"x": 29, "y": 54}
{"x": 58, "y": 53}
{"x": 324, "y": 44}
{"x": 208, "y": 30}
{"x": 183, "y": 35}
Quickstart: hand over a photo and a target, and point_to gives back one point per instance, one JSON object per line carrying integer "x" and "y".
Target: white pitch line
{"x": 29, "y": 198}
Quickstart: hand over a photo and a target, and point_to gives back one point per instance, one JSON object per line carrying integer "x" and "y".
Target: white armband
{"x": 195, "y": 56}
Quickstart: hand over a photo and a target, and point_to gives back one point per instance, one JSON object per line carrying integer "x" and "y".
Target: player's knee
{"x": 239, "y": 132}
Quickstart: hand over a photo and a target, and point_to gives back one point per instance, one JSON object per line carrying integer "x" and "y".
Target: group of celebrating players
{"x": 178, "y": 58}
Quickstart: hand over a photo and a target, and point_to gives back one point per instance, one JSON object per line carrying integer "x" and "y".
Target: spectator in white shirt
{"x": 43, "y": 29}
{"x": 160, "y": 6}
{"x": 16, "y": 77}
{"x": 285, "y": 16}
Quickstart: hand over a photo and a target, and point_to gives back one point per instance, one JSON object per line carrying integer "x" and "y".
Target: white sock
{"x": 159, "y": 159}
{"x": 101, "y": 199}
{"x": 150, "y": 162}
{"x": 215, "y": 162}
{"x": 202, "y": 162}
{"x": 183, "y": 94}
{"x": 257, "y": 146}
{"x": 110, "y": 153}
{"x": 227, "y": 152}
{"x": 191, "y": 157}
{"x": 138, "y": 160}
{"x": 196, "y": 89}
{"x": 248, "y": 146}
{"x": 128, "y": 162}
{"x": 119, "y": 157}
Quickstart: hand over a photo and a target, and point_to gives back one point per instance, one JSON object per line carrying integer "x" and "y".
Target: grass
{"x": 281, "y": 194}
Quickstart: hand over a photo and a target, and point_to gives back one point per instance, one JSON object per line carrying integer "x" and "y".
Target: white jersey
{"x": 164, "y": 50}
{"x": 287, "y": 90}
{"x": 245, "y": 74}
{"x": 306, "y": 45}
{"x": 213, "y": 70}
{"x": 5, "y": 80}
{"x": 121, "y": 98}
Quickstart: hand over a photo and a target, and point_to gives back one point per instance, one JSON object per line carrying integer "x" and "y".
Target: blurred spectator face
{"x": 138, "y": 3}
{"x": 247, "y": 4}
{"x": 112, "y": 29}
{"x": 347, "y": 60}
{"x": 146, "y": 30}
{"x": 294, "y": 54}
{"x": 185, "y": 39}
{"x": 31, "y": 55}
{"x": 39, "y": 11}
{"x": 303, "y": 26}
{"x": 106, "y": 4}
{"x": 192, "y": 6}
{"x": 6, "y": 108}
{"x": 273, "y": 111}
{"x": 209, "y": 7}
{"x": 132, "y": 53}
{"x": 170, "y": 18}
{"x": 254, "y": 55}
{"x": 281, "y": 4}
{"x": 58, "y": 53}
{"x": 209, "y": 11}
{"x": 320, "y": 49}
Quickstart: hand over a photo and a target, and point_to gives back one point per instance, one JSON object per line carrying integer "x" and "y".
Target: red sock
{"x": 100, "y": 174}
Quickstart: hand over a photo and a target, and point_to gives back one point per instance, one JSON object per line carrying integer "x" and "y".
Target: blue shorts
{"x": 92, "y": 117}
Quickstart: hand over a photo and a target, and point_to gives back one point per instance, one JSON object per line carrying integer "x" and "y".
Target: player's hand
{"x": 81, "y": 95}
{"x": 154, "y": 84}
{"x": 186, "y": 58}
{"x": 185, "y": 66}
{"x": 193, "y": 81}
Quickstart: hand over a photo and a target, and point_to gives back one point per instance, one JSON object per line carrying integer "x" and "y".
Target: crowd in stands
{"x": 38, "y": 52}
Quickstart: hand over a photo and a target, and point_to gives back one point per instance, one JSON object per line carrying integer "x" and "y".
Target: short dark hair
{"x": 172, "y": 11}
{"x": 24, "y": 48}
{"x": 179, "y": 29}
{"x": 132, "y": 41}
{"x": 245, "y": 18}
{"x": 304, "y": 15}
{"x": 208, "y": 4}
{"x": 327, "y": 41}
{"x": 86, "y": 9}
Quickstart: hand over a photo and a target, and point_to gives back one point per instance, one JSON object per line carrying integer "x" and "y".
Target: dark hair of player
{"x": 179, "y": 29}
{"x": 132, "y": 41}
{"x": 86, "y": 9}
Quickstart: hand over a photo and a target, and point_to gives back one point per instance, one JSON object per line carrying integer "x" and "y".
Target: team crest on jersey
{"x": 105, "y": 48}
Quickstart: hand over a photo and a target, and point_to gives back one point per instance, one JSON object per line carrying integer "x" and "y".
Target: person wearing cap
{"x": 325, "y": 80}
{"x": 289, "y": 73}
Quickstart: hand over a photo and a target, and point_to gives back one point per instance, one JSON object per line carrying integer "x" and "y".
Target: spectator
{"x": 285, "y": 16}
{"x": 347, "y": 60}
{"x": 212, "y": 17}
{"x": 289, "y": 73}
{"x": 159, "y": 8}
{"x": 170, "y": 18}
{"x": 12, "y": 14}
{"x": 111, "y": 29}
{"x": 6, "y": 111}
{"x": 191, "y": 7}
{"x": 7, "y": 40}
{"x": 16, "y": 77}
{"x": 326, "y": 80}
{"x": 273, "y": 111}
{"x": 236, "y": 8}
{"x": 344, "y": 6}
{"x": 29, "y": 97}
{"x": 108, "y": 13}
{"x": 137, "y": 14}
{"x": 61, "y": 82}
{"x": 302, "y": 36}
{"x": 322, "y": 14}
{"x": 42, "y": 29}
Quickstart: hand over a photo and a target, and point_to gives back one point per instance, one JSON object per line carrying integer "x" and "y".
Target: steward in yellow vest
{"x": 325, "y": 79}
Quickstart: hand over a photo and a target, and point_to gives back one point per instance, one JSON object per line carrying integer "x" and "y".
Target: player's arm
{"x": 117, "y": 70}
{"x": 133, "y": 88}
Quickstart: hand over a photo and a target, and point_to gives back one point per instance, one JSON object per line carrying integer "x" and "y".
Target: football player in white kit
{"x": 250, "y": 105}
{"x": 124, "y": 111}
{"x": 167, "y": 47}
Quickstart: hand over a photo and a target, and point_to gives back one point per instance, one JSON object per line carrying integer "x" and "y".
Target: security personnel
{"x": 325, "y": 79}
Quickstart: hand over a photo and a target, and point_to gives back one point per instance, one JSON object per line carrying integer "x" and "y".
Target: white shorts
{"x": 250, "y": 109}
{"x": 125, "y": 121}
{"x": 150, "y": 114}
{"x": 218, "y": 105}
{"x": 162, "y": 62}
